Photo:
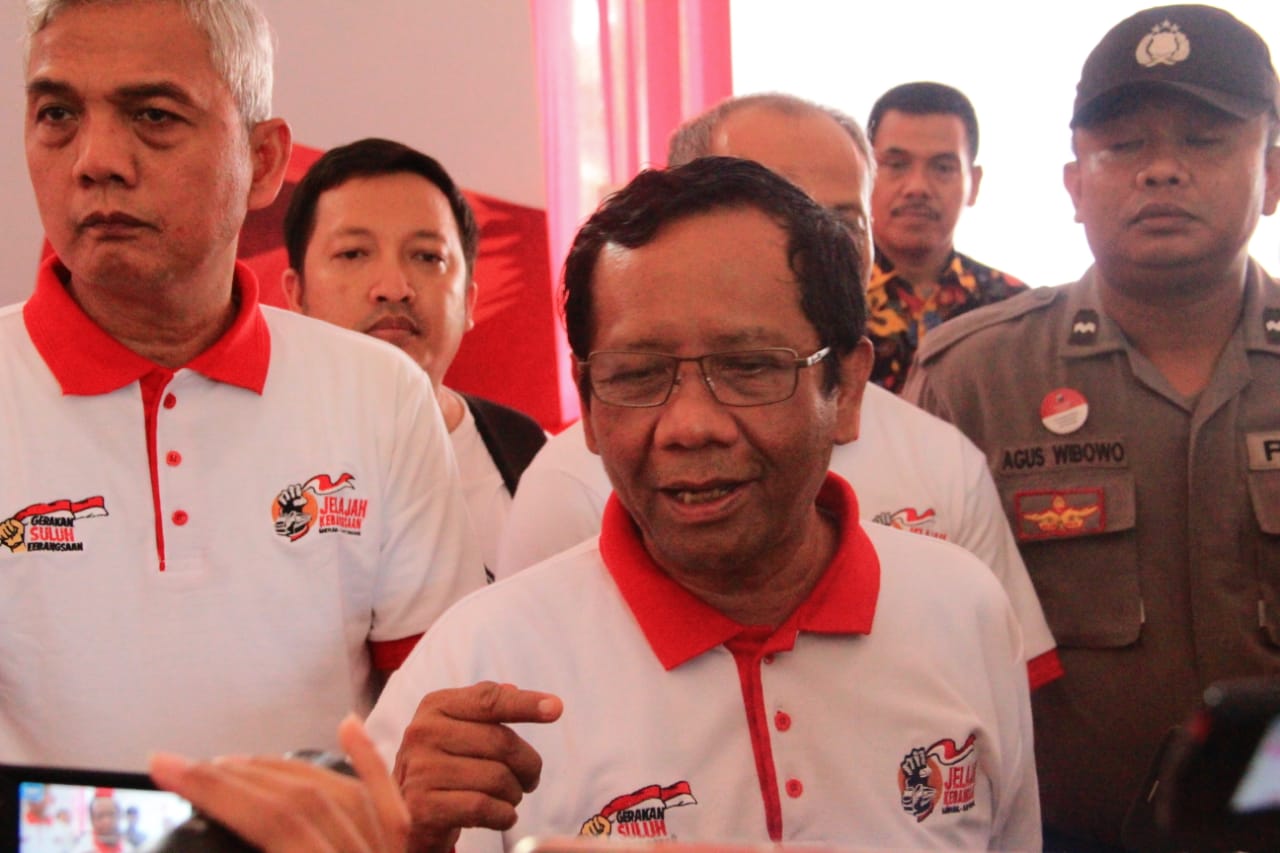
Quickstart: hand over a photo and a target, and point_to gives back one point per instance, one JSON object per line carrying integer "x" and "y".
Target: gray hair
{"x": 693, "y": 138}
{"x": 240, "y": 45}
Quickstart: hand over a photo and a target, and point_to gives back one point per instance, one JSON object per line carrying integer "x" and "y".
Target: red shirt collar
{"x": 86, "y": 360}
{"x": 680, "y": 626}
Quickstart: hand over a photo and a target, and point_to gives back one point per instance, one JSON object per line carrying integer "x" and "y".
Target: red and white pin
{"x": 1063, "y": 411}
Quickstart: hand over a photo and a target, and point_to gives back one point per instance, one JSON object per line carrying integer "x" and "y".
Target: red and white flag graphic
{"x": 322, "y": 485}
{"x": 678, "y": 794}
{"x": 87, "y": 508}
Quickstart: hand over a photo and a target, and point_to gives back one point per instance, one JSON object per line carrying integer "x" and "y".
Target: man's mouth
{"x": 110, "y": 222}
{"x": 1157, "y": 213}
{"x": 693, "y": 497}
{"x": 392, "y": 325}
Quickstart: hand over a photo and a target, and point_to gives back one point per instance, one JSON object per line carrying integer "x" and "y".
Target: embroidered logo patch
{"x": 640, "y": 814}
{"x": 49, "y": 526}
{"x": 941, "y": 774}
{"x": 911, "y": 520}
{"x": 316, "y": 503}
{"x": 1164, "y": 45}
{"x": 1059, "y": 514}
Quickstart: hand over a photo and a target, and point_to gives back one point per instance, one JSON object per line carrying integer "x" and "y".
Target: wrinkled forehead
{"x": 44, "y": 13}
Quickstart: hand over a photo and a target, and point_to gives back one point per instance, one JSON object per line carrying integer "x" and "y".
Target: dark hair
{"x": 927, "y": 98}
{"x": 821, "y": 251}
{"x": 368, "y": 158}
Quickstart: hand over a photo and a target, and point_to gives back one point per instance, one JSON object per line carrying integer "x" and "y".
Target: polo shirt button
{"x": 768, "y": 658}
{"x": 782, "y": 720}
{"x": 173, "y": 458}
{"x": 180, "y": 517}
{"x": 794, "y": 788}
{"x": 170, "y": 401}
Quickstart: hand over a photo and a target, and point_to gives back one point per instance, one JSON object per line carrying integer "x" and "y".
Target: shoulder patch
{"x": 1271, "y": 325}
{"x": 956, "y": 329}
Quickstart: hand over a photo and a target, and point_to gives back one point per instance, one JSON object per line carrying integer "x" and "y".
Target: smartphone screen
{"x": 52, "y": 811}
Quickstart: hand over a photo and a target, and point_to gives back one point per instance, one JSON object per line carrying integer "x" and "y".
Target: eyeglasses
{"x": 755, "y": 377}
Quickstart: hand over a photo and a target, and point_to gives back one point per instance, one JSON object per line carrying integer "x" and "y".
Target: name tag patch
{"x": 1060, "y": 514}
{"x": 1264, "y": 450}
{"x": 1099, "y": 453}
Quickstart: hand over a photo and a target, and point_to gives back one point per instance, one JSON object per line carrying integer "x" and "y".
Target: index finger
{"x": 392, "y": 812}
{"x": 490, "y": 702}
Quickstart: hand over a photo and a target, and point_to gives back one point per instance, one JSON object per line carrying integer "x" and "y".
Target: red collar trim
{"x": 679, "y": 626}
{"x": 87, "y": 361}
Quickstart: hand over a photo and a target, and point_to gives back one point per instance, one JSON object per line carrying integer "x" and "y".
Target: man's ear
{"x": 584, "y": 400}
{"x": 270, "y": 144}
{"x": 975, "y": 180}
{"x": 1271, "y": 194}
{"x": 855, "y": 368}
{"x": 1071, "y": 180}
{"x": 472, "y": 297}
{"x": 291, "y": 283}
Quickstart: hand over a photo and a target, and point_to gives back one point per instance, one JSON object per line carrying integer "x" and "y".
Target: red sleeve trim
{"x": 387, "y": 655}
{"x": 1044, "y": 668}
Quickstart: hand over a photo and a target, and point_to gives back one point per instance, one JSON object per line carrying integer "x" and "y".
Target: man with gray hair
{"x": 186, "y": 495}
{"x": 911, "y": 470}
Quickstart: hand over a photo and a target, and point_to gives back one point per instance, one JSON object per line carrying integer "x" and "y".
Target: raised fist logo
{"x": 598, "y": 827}
{"x": 918, "y": 795}
{"x": 12, "y": 535}
{"x": 292, "y": 517}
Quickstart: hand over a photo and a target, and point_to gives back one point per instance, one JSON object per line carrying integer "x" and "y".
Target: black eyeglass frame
{"x": 798, "y": 362}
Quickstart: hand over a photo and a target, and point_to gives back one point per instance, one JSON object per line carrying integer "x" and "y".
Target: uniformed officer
{"x": 1131, "y": 419}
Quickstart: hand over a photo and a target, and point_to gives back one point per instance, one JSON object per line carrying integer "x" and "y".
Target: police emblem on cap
{"x": 1271, "y": 325}
{"x": 1164, "y": 45}
{"x": 1084, "y": 327}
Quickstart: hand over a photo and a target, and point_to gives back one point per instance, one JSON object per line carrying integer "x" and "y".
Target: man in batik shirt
{"x": 925, "y": 140}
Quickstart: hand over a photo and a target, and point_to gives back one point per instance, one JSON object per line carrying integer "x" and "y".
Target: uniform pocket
{"x": 1076, "y": 533}
{"x": 1264, "y": 492}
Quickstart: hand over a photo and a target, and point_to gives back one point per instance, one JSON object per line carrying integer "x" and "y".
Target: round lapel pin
{"x": 1063, "y": 411}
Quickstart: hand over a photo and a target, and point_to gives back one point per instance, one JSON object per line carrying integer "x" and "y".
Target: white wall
{"x": 20, "y": 231}
{"x": 1018, "y": 62}
{"x": 453, "y": 78}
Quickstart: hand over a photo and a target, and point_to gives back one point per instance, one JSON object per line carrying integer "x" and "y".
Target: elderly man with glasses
{"x": 738, "y": 657}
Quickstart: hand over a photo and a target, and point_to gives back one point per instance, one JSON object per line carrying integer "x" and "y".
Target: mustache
{"x": 394, "y": 315}
{"x": 925, "y": 209}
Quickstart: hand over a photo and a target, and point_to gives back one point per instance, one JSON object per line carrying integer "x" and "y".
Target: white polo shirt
{"x": 891, "y": 710}
{"x": 488, "y": 500}
{"x": 209, "y": 559}
{"x": 911, "y": 471}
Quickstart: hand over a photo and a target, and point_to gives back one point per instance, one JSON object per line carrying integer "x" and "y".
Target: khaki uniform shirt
{"x": 1151, "y": 529}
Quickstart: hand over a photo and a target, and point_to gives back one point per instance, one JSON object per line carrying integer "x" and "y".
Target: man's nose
{"x": 915, "y": 180}
{"x": 104, "y": 151}
{"x": 391, "y": 284}
{"x": 692, "y": 416}
{"x": 1163, "y": 166}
